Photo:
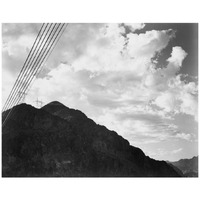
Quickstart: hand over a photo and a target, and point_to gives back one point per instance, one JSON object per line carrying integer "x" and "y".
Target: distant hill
{"x": 56, "y": 141}
{"x": 189, "y": 167}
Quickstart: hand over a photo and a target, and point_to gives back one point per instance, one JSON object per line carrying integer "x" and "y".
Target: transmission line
{"x": 26, "y": 82}
{"x": 21, "y": 82}
{"x": 28, "y": 67}
{"x": 22, "y": 71}
{"x": 33, "y": 71}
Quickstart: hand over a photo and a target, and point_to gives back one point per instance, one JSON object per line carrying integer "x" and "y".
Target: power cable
{"x": 31, "y": 76}
{"x": 22, "y": 70}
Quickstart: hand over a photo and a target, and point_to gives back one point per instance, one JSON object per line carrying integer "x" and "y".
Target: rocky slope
{"x": 189, "y": 167}
{"x": 58, "y": 141}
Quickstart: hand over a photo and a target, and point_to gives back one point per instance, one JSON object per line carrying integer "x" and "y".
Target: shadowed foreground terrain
{"x": 56, "y": 141}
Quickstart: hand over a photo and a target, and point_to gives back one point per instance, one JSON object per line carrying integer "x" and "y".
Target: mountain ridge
{"x": 188, "y": 166}
{"x": 58, "y": 141}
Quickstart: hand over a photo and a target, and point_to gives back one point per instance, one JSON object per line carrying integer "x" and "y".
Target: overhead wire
{"x": 39, "y": 64}
{"x": 22, "y": 70}
{"x": 25, "y": 77}
{"x": 34, "y": 78}
{"x": 24, "y": 82}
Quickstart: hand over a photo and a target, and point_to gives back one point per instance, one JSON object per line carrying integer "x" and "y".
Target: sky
{"x": 140, "y": 80}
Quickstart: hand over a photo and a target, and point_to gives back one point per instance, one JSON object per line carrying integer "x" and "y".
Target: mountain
{"x": 189, "y": 167}
{"x": 56, "y": 141}
{"x": 176, "y": 169}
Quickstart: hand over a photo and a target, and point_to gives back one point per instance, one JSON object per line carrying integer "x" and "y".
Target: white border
{"x": 99, "y": 11}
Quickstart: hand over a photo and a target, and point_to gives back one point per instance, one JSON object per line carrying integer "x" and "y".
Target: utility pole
{"x": 39, "y": 103}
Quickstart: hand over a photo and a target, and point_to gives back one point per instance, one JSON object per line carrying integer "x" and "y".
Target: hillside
{"x": 56, "y": 141}
{"x": 189, "y": 167}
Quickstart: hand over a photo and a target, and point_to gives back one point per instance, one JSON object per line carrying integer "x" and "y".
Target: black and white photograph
{"x": 99, "y": 100}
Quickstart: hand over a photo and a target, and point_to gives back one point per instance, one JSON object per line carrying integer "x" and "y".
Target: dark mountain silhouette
{"x": 56, "y": 141}
{"x": 176, "y": 169}
{"x": 189, "y": 167}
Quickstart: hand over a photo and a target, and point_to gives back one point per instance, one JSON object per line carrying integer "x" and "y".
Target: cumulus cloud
{"x": 135, "y": 26}
{"x": 167, "y": 101}
{"x": 177, "y": 56}
{"x": 146, "y": 44}
{"x": 171, "y": 93}
{"x": 108, "y": 73}
{"x": 179, "y": 97}
{"x": 116, "y": 83}
{"x": 112, "y": 51}
{"x": 189, "y": 104}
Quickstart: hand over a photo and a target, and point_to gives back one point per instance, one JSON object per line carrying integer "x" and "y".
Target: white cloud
{"x": 145, "y": 45}
{"x": 20, "y": 46}
{"x": 111, "y": 51}
{"x": 184, "y": 136}
{"x": 7, "y": 83}
{"x": 191, "y": 88}
{"x": 170, "y": 92}
{"x": 109, "y": 75}
{"x": 107, "y": 85}
{"x": 163, "y": 78}
{"x": 167, "y": 101}
{"x": 179, "y": 97}
{"x": 189, "y": 104}
{"x": 177, "y": 151}
{"x": 135, "y": 26}
{"x": 177, "y": 56}
{"x": 160, "y": 152}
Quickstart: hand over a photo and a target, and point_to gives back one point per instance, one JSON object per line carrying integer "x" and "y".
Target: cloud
{"x": 19, "y": 46}
{"x": 167, "y": 101}
{"x": 17, "y": 40}
{"x": 160, "y": 152}
{"x": 179, "y": 97}
{"x": 170, "y": 92}
{"x": 189, "y": 104}
{"x": 161, "y": 78}
{"x": 12, "y": 31}
{"x": 146, "y": 44}
{"x": 109, "y": 73}
{"x": 105, "y": 82}
{"x": 177, "y": 56}
{"x": 142, "y": 126}
{"x": 177, "y": 151}
{"x": 184, "y": 136}
{"x": 112, "y": 51}
{"x": 135, "y": 26}
{"x": 15, "y": 52}
{"x": 7, "y": 83}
